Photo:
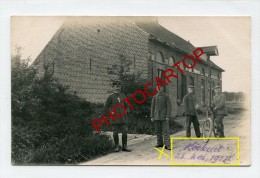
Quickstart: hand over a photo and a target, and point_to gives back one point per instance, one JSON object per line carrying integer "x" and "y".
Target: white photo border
{"x": 125, "y": 8}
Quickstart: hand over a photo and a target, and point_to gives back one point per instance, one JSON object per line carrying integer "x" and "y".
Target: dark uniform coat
{"x": 219, "y": 101}
{"x": 161, "y": 106}
{"x": 112, "y": 100}
{"x": 189, "y": 102}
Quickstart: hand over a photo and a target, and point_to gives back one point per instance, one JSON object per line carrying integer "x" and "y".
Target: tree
{"x": 121, "y": 71}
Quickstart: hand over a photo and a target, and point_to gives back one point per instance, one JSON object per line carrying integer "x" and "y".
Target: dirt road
{"x": 143, "y": 152}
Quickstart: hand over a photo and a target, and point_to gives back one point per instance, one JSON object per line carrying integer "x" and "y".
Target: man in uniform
{"x": 220, "y": 111}
{"x": 120, "y": 124}
{"x": 189, "y": 102}
{"x": 160, "y": 115}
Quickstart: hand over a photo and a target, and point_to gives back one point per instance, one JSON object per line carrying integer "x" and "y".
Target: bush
{"x": 49, "y": 124}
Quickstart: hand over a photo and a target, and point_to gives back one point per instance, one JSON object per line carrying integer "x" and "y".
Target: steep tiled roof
{"x": 156, "y": 30}
{"x": 161, "y": 33}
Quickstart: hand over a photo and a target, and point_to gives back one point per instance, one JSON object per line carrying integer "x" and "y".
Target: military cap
{"x": 116, "y": 82}
{"x": 190, "y": 86}
{"x": 216, "y": 87}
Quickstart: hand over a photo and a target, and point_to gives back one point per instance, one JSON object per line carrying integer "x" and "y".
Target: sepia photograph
{"x": 131, "y": 90}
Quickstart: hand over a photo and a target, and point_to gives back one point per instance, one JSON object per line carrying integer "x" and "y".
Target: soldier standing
{"x": 160, "y": 115}
{"x": 189, "y": 102}
{"x": 220, "y": 111}
{"x": 120, "y": 124}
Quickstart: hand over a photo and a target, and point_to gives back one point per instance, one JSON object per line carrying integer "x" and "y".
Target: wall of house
{"x": 80, "y": 54}
{"x": 199, "y": 77}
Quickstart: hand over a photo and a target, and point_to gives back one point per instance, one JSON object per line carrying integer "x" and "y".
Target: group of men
{"x": 161, "y": 114}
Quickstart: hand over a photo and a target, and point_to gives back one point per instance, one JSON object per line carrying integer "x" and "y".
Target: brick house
{"x": 83, "y": 48}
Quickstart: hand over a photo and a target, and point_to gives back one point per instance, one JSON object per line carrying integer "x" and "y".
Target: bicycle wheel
{"x": 214, "y": 130}
{"x": 207, "y": 129}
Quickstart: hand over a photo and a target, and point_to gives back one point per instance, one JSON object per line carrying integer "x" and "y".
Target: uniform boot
{"x": 124, "y": 142}
{"x": 167, "y": 147}
{"x": 222, "y": 131}
{"x": 116, "y": 140}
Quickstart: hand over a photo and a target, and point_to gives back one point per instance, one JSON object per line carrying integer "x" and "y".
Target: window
{"x": 90, "y": 63}
{"x": 171, "y": 61}
{"x": 213, "y": 92}
{"x": 189, "y": 64}
{"x": 182, "y": 88}
{"x": 219, "y": 85}
{"x": 159, "y": 74}
{"x": 202, "y": 71}
{"x": 202, "y": 90}
{"x": 191, "y": 81}
{"x": 159, "y": 57}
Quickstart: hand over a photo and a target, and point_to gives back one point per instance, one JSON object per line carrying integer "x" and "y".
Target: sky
{"x": 230, "y": 34}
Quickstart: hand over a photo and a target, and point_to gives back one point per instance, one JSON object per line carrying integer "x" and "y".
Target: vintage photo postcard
{"x": 161, "y": 91}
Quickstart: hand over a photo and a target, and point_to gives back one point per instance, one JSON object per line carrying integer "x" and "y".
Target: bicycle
{"x": 208, "y": 126}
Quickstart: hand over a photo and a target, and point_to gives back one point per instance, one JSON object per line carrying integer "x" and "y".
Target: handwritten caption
{"x": 215, "y": 152}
